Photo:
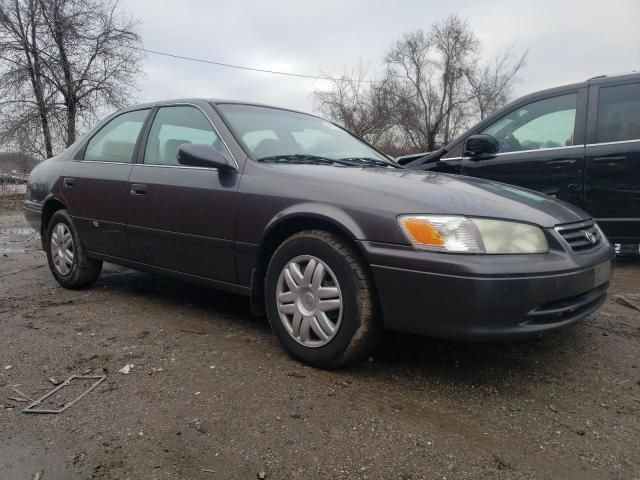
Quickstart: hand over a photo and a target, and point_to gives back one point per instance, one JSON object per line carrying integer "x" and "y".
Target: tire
{"x": 295, "y": 311}
{"x": 71, "y": 271}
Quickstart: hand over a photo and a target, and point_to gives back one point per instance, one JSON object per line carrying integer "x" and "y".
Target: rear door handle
{"x": 138, "y": 190}
{"x": 561, "y": 163}
{"x": 68, "y": 182}
{"x": 621, "y": 158}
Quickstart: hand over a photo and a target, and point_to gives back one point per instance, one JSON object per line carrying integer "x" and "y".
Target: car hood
{"x": 402, "y": 191}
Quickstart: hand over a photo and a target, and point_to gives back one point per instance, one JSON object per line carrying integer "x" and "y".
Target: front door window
{"x": 175, "y": 126}
{"x": 548, "y": 123}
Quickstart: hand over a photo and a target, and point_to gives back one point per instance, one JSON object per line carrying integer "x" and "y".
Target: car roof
{"x": 214, "y": 101}
{"x": 600, "y": 79}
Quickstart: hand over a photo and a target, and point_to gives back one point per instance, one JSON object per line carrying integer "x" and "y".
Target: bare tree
{"x": 428, "y": 69}
{"x": 61, "y": 63}
{"x": 454, "y": 43}
{"x": 361, "y": 106}
{"x": 93, "y": 60}
{"x": 21, "y": 81}
{"x": 491, "y": 85}
{"x": 434, "y": 87}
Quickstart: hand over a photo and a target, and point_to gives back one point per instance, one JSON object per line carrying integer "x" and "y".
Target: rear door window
{"x": 175, "y": 126}
{"x": 618, "y": 113}
{"x": 116, "y": 141}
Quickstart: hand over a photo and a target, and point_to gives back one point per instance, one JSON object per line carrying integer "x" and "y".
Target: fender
{"x": 293, "y": 218}
{"x": 337, "y": 216}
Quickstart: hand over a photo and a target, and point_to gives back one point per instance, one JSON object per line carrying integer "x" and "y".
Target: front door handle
{"x": 561, "y": 163}
{"x": 138, "y": 190}
{"x": 68, "y": 182}
{"x": 621, "y": 158}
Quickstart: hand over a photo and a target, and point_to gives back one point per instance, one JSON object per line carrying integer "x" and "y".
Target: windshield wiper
{"x": 306, "y": 159}
{"x": 298, "y": 158}
{"x": 367, "y": 162}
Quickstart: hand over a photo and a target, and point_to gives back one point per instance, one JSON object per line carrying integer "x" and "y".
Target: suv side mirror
{"x": 200, "y": 155}
{"x": 481, "y": 146}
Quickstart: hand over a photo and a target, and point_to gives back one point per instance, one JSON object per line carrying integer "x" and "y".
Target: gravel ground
{"x": 210, "y": 394}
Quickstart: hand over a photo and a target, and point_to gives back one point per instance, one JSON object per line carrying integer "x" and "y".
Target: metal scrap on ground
{"x": 32, "y": 408}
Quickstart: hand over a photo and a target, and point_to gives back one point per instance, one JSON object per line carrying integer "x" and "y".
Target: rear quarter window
{"x": 618, "y": 113}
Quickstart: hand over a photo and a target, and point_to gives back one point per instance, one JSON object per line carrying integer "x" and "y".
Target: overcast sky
{"x": 568, "y": 41}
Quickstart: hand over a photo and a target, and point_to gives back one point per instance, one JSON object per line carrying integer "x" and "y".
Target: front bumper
{"x": 483, "y": 297}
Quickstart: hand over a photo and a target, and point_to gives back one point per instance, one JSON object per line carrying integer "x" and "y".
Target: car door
{"x": 612, "y": 182}
{"x": 95, "y": 185}
{"x": 541, "y": 147}
{"x": 182, "y": 218}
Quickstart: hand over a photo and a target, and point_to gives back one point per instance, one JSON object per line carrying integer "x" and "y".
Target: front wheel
{"x": 67, "y": 260}
{"x": 319, "y": 300}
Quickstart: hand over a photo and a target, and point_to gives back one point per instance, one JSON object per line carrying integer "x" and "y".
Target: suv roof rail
{"x": 614, "y": 75}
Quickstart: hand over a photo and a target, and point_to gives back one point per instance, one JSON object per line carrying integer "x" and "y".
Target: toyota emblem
{"x": 590, "y": 237}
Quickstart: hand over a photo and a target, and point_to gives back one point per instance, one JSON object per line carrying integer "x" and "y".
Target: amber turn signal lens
{"x": 423, "y": 232}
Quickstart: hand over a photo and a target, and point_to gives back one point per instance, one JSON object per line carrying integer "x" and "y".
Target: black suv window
{"x": 618, "y": 113}
{"x": 548, "y": 123}
{"x": 116, "y": 141}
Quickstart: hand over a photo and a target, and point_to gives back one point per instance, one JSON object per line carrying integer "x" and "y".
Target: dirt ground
{"x": 211, "y": 395}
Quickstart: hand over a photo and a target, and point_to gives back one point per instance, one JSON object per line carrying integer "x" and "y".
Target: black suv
{"x": 579, "y": 143}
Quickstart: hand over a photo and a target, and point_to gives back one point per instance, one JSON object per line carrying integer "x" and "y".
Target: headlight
{"x": 458, "y": 234}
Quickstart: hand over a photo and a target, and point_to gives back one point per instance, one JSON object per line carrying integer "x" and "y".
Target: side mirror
{"x": 480, "y": 147}
{"x": 200, "y": 155}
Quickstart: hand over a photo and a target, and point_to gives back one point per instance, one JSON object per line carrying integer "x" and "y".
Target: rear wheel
{"x": 67, "y": 260}
{"x": 319, "y": 300}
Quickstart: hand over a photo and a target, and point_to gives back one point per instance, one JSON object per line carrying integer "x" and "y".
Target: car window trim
{"x": 546, "y": 149}
{"x": 79, "y": 156}
{"x": 632, "y": 140}
{"x": 139, "y": 160}
{"x": 186, "y": 167}
{"x": 523, "y": 151}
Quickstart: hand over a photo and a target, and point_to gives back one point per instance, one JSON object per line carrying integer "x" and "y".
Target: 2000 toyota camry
{"x": 318, "y": 228}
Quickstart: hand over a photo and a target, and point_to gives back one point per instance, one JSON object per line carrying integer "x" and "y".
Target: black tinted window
{"x": 116, "y": 141}
{"x": 548, "y": 123}
{"x": 618, "y": 113}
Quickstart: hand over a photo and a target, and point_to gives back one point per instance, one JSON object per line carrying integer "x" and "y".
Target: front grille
{"x": 582, "y": 236}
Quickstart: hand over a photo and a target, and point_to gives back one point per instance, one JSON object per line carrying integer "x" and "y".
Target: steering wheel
{"x": 510, "y": 144}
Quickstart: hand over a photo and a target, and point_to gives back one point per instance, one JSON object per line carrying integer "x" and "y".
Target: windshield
{"x": 281, "y": 136}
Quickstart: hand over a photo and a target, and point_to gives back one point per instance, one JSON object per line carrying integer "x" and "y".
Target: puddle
{"x": 24, "y": 455}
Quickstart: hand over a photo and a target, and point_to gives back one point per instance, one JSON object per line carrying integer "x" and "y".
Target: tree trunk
{"x": 69, "y": 93}
{"x": 36, "y": 84}
{"x": 447, "y": 121}
{"x": 71, "y": 122}
{"x": 32, "y": 56}
{"x": 431, "y": 141}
